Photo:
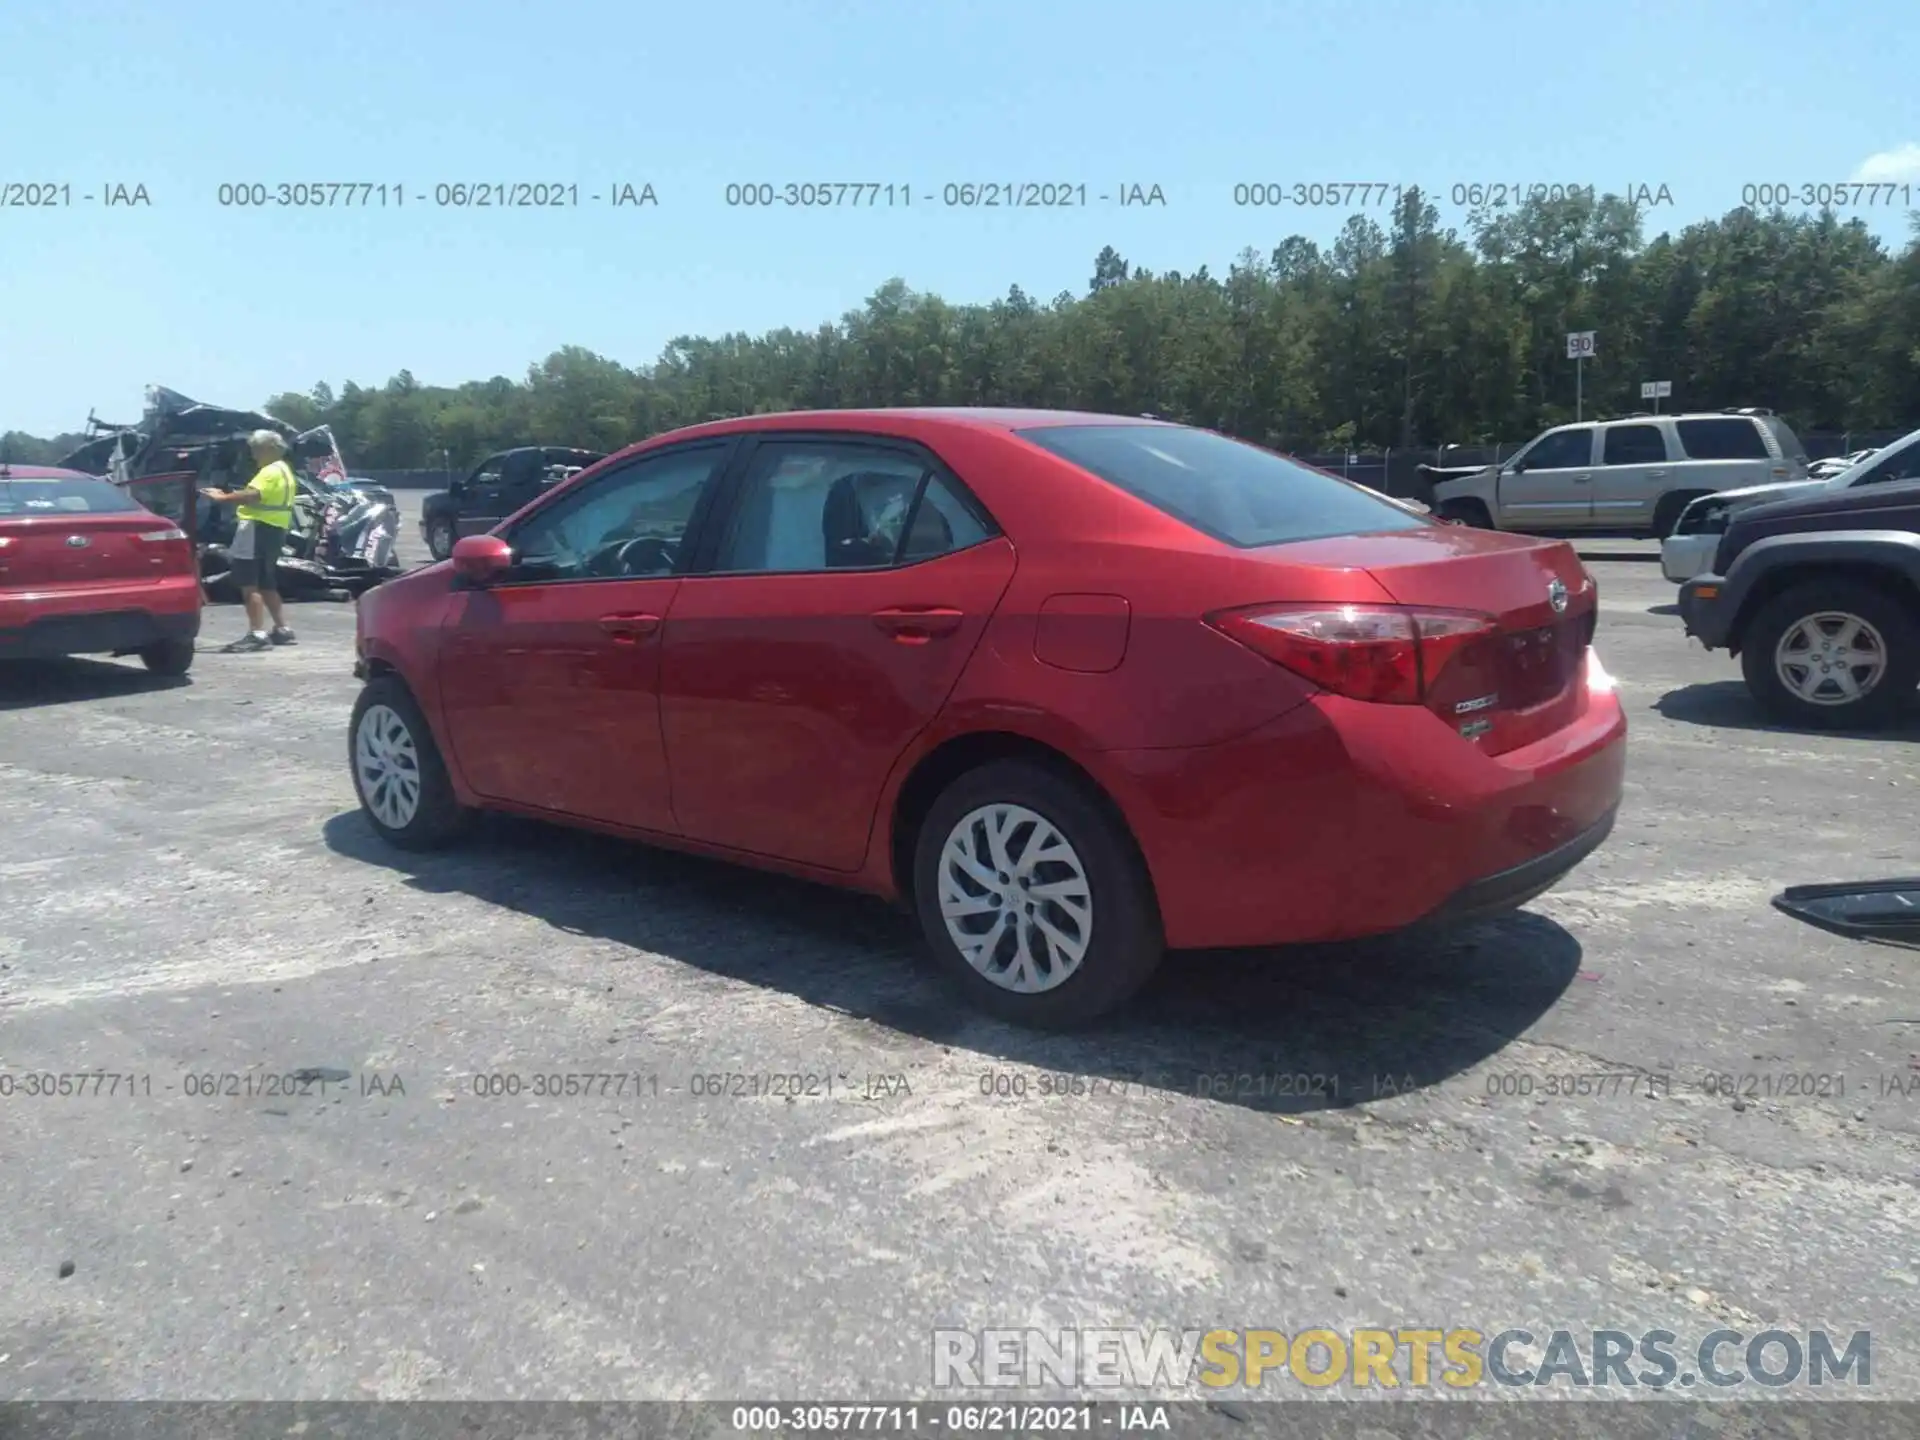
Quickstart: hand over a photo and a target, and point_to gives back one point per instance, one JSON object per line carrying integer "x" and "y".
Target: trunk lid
{"x": 1523, "y": 680}
{"x": 59, "y": 534}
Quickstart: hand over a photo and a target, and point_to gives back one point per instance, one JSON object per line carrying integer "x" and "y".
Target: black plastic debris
{"x": 1886, "y": 912}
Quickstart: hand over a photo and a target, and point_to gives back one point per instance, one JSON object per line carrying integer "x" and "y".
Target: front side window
{"x": 817, "y": 505}
{"x": 1734, "y": 438}
{"x": 627, "y": 525}
{"x": 1635, "y": 445}
{"x": 485, "y": 480}
{"x": 1562, "y": 450}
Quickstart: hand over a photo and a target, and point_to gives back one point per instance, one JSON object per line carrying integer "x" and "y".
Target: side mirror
{"x": 1516, "y": 467}
{"x": 482, "y": 559}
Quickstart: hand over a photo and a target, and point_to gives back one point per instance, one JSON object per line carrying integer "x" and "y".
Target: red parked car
{"x": 86, "y": 570}
{"x": 1077, "y": 688}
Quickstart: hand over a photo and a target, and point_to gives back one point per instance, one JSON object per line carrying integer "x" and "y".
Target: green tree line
{"x": 1400, "y": 334}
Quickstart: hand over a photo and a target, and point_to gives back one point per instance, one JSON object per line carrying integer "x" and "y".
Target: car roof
{"x": 904, "y": 419}
{"x": 42, "y": 472}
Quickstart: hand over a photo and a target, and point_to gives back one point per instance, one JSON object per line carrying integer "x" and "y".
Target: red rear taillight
{"x": 159, "y": 536}
{"x": 1385, "y": 653}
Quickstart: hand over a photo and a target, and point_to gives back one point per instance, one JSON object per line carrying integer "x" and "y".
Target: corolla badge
{"x": 78, "y": 542}
{"x": 1557, "y": 595}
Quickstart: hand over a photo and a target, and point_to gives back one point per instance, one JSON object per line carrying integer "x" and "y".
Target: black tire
{"x": 168, "y": 657}
{"x": 1125, "y": 943}
{"x": 440, "y": 537}
{"x": 438, "y": 818}
{"x": 1899, "y": 632}
{"x": 1666, "y": 514}
{"x": 1467, "y": 512}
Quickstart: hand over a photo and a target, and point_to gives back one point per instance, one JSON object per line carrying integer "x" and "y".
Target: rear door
{"x": 844, "y": 594}
{"x": 1635, "y": 470}
{"x": 1549, "y": 485}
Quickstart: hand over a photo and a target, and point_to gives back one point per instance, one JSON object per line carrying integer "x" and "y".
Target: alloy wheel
{"x": 1015, "y": 898}
{"x": 387, "y": 764}
{"x": 1830, "y": 658}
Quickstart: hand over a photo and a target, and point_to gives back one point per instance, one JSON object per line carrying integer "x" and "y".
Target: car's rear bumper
{"x": 1344, "y": 819}
{"x": 104, "y": 620}
{"x": 1684, "y": 556}
{"x": 1510, "y": 888}
{"x": 109, "y": 632}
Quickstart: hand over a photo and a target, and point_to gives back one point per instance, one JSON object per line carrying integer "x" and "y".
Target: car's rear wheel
{"x": 1832, "y": 654}
{"x": 397, "y": 770}
{"x": 1466, "y": 512}
{"x": 1033, "y": 897}
{"x": 168, "y": 657}
{"x": 440, "y": 538}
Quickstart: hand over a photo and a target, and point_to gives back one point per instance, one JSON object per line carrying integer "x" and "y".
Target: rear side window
{"x": 75, "y": 496}
{"x": 1735, "y": 438}
{"x": 1234, "y": 492}
{"x": 1635, "y": 445}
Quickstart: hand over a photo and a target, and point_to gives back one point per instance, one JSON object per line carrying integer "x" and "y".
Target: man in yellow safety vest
{"x": 265, "y": 515}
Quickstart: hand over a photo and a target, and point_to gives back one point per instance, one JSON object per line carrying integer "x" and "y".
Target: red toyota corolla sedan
{"x": 85, "y": 570}
{"x": 1078, "y": 688}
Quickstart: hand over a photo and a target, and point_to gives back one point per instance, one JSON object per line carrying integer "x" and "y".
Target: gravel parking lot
{"x": 187, "y": 890}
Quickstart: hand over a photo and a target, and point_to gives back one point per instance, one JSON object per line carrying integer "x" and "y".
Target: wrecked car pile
{"x": 343, "y": 534}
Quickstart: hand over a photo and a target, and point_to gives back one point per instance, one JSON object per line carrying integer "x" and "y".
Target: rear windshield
{"x": 1235, "y": 492}
{"x": 77, "y": 495}
{"x": 1783, "y": 435}
{"x": 1735, "y": 438}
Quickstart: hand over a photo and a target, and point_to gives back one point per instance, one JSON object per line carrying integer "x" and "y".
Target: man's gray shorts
{"x": 255, "y": 555}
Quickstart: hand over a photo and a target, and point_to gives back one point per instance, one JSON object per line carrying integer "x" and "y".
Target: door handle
{"x": 916, "y": 627}
{"x": 626, "y": 629}
{"x": 1583, "y": 479}
{"x": 1657, "y": 474}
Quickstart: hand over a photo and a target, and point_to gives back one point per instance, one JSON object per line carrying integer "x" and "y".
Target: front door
{"x": 478, "y": 498}
{"x": 1552, "y": 486}
{"x": 1634, "y": 472}
{"x": 549, "y": 679}
{"x": 850, "y": 586}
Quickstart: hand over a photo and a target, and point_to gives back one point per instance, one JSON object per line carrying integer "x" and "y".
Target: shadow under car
{"x": 1285, "y": 1031}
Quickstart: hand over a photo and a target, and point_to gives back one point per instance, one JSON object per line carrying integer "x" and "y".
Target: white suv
{"x": 1633, "y": 475}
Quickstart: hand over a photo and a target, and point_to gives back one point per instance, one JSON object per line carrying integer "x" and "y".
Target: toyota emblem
{"x": 78, "y": 542}
{"x": 1557, "y": 595}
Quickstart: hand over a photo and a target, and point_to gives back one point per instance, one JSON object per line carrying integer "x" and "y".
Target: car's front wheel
{"x": 1832, "y": 654}
{"x": 1033, "y": 898}
{"x": 440, "y": 538}
{"x": 397, "y": 770}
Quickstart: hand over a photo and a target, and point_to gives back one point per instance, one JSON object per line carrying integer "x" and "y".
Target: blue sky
{"x": 232, "y": 305}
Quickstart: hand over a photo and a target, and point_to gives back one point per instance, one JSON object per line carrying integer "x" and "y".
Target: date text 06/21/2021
{"x": 552, "y": 1084}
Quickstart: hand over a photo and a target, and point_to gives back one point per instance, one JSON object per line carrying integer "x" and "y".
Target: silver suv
{"x": 1636, "y": 474}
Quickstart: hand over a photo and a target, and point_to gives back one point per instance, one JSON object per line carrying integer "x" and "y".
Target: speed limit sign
{"x": 1580, "y": 344}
